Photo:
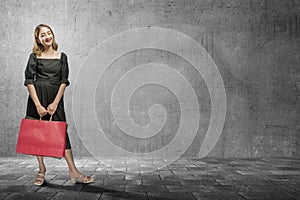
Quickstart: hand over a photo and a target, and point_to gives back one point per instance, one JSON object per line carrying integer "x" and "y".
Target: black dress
{"x": 47, "y": 75}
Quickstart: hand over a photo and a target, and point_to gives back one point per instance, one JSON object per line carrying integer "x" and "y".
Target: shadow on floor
{"x": 109, "y": 192}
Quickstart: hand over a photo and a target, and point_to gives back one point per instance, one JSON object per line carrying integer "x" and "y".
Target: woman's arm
{"x": 64, "y": 83}
{"x": 32, "y": 92}
{"x": 53, "y": 106}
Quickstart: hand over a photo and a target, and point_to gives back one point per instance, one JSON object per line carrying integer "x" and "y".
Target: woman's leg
{"x": 41, "y": 164}
{"x": 73, "y": 171}
{"x": 39, "y": 180}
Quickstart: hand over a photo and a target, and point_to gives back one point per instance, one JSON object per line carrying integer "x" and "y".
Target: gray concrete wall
{"x": 254, "y": 44}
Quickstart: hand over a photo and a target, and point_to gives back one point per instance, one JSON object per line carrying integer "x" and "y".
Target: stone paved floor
{"x": 187, "y": 178}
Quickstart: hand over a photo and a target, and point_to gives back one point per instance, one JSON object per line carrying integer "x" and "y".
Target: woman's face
{"x": 45, "y": 37}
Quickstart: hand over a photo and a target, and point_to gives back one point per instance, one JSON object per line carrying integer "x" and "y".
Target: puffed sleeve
{"x": 64, "y": 70}
{"x": 30, "y": 71}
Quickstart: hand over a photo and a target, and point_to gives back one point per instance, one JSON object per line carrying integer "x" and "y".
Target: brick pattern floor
{"x": 187, "y": 178}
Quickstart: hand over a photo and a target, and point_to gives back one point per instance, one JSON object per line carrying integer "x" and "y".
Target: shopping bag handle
{"x": 49, "y": 119}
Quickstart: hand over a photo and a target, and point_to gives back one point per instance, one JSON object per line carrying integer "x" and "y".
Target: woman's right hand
{"x": 41, "y": 110}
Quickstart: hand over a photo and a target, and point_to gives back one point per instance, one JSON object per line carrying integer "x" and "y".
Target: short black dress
{"x": 47, "y": 75}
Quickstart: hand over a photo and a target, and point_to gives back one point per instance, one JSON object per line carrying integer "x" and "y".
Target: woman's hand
{"x": 52, "y": 108}
{"x": 41, "y": 110}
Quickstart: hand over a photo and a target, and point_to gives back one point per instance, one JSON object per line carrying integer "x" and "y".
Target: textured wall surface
{"x": 255, "y": 45}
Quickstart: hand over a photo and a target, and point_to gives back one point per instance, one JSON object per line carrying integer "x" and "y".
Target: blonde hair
{"x": 38, "y": 48}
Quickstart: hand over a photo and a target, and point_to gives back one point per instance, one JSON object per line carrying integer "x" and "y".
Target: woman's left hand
{"x": 52, "y": 108}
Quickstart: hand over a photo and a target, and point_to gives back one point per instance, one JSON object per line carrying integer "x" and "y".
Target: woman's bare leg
{"x": 41, "y": 164}
{"x": 73, "y": 171}
{"x": 42, "y": 170}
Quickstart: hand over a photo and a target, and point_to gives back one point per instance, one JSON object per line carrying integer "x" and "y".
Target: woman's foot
{"x": 39, "y": 179}
{"x": 80, "y": 178}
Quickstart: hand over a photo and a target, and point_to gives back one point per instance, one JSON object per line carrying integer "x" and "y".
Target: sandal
{"x": 80, "y": 179}
{"x": 39, "y": 180}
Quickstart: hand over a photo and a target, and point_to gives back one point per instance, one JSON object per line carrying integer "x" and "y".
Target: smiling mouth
{"x": 48, "y": 40}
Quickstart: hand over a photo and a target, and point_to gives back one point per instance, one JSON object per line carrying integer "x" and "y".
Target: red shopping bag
{"x": 42, "y": 138}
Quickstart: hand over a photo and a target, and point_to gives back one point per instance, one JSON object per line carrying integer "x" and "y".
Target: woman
{"x": 46, "y": 77}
